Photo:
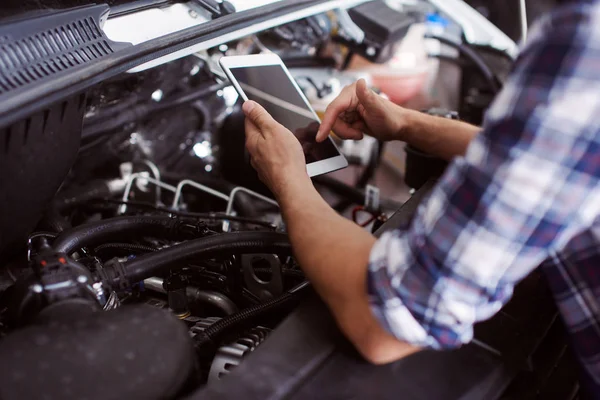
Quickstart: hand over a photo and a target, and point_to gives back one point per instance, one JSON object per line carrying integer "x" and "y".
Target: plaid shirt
{"x": 526, "y": 194}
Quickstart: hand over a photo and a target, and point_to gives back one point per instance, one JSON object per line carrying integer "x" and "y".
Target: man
{"x": 521, "y": 192}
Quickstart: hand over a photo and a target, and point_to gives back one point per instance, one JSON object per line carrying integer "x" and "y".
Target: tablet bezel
{"x": 257, "y": 60}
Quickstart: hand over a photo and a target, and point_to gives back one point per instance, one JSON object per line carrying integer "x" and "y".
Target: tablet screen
{"x": 271, "y": 87}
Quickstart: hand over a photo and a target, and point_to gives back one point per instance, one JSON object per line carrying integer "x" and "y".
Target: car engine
{"x": 140, "y": 255}
{"x": 160, "y": 211}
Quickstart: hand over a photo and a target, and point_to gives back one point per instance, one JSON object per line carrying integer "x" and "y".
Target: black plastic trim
{"x": 22, "y": 102}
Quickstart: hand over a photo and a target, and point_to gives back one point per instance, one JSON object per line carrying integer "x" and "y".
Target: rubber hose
{"x": 127, "y": 247}
{"x": 120, "y": 228}
{"x": 76, "y": 197}
{"x": 474, "y": 57}
{"x": 210, "y": 337}
{"x": 208, "y": 297}
{"x": 156, "y": 264}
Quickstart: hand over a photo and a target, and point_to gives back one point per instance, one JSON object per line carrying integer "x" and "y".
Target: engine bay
{"x": 137, "y": 242}
{"x": 161, "y": 209}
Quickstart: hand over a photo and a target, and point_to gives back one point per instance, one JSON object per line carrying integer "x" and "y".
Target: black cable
{"x": 157, "y": 263}
{"x": 93, "y": 143}
{"x": 36, "y": 235}
{"x": 78, "y": 196}
{"x": 472, "y": 56}
{"x": 461, "y": 63}
{"x": 347, "y": 60}
{"x": 190, "y": 97}
{"x": 110, "y": 111}
{"x": 207, "y": 216}
{"x": 209, "y": 339}
{"x": 141, "y": 111}
{"x": 493, "y": 51}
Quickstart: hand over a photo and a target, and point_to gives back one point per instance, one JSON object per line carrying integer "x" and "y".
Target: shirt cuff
{"x": 390, "y": 258}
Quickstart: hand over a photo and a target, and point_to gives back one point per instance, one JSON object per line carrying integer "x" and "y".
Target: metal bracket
{"x": 264, "y": 290}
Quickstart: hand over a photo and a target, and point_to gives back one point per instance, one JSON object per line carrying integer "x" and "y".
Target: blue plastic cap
{"x": 436, "y": 19}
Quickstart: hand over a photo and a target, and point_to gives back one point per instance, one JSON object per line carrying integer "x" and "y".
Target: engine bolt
{"x": 37, "y": 288}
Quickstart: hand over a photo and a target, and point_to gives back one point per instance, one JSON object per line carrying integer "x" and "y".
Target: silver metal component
{"x": 155, "y": 285}
{"x": 524, "y": 24}
{"x": 299, "y": 287}
{"x": 82, "y": 279}
{"x": 112, "y": 303}
{"x": 487, "y": 347}
{"x": 194, "y": 294}
{"x": 232, "y": 355}
{"x": 350, "y": 29}
{"x": 156, "y": 172}
{"x": 116, "y": 185}
{"x": 99, "y": 292}
{"x": 372, "y": 199}
{"x": 37, "y": 288}
{"x": 193, "y": 14}
{"x": 198, "y": 186}
{"x": 212, "y": 298}
{"x": 132, "y": 179}
{"x": 232, "y": 195}
{"x": 371, "y": 51}
{"x": 157, "y": 95}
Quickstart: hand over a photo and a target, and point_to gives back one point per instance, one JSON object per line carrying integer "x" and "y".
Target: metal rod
{"x": 524, "y": 24}
{"x": 198, "y": 186}
{"x": 156, "y": 172}
{"x": 232, "y": 195}
{"x": 132, "y": 179}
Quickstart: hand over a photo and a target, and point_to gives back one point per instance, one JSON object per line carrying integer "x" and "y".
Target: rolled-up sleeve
{"x": 521, "y": 190}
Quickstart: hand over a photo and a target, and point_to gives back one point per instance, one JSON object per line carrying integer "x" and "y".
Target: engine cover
{"x": 134, "y": 352}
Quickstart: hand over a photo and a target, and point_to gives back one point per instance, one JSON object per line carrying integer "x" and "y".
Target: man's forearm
{"x": 441, "y": 137}
{"x": 334, "y": 254}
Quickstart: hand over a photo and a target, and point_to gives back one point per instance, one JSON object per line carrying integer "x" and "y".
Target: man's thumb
{"x": 257, "y": 114}
{"x": 366, "y": 96}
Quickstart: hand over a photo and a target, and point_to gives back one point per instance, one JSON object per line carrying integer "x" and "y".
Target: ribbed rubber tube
{"x": 208, "y": 340}
{"x": 111, "y": 230}
{"x": 157, "y": 263}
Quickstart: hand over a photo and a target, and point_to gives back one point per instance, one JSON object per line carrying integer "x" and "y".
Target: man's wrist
{"x": 291, "y": 187}
{"x": 406, "y": 121}
{"x": 296, "y": 194}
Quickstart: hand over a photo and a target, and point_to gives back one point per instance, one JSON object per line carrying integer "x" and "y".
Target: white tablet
{"x": 265, "y": 79}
